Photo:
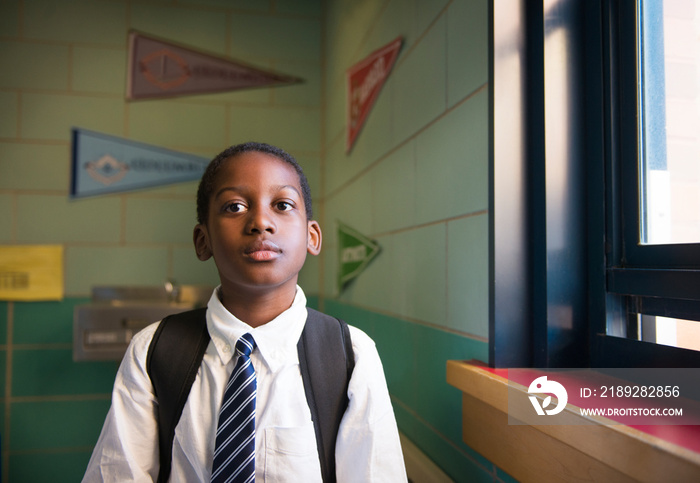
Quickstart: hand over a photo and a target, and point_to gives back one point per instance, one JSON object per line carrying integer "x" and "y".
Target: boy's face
{"x": 257, "y": 229}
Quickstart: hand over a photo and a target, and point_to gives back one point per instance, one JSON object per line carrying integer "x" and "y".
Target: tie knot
{"x": 245, "y": 345}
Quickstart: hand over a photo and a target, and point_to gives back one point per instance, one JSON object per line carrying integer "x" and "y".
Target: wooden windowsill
{"x": 599, "y": 452}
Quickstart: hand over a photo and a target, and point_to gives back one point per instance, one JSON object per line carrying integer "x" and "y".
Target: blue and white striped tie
{"x": 234, "y": 454}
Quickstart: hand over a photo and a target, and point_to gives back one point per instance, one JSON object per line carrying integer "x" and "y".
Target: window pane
{"x": 669, "y": 60}
{"x": 672, "y": 332}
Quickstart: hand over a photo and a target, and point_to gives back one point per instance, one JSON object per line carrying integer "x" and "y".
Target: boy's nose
{"x": 260, "y": 221}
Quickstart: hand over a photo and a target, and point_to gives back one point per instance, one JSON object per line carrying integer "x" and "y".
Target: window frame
{"x": 645, "y": 279}
{"x": 533, "y": 323}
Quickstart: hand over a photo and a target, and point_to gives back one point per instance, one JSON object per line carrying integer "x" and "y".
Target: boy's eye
{"x": 284, "y": 205}
{"x": 234, "y": 207}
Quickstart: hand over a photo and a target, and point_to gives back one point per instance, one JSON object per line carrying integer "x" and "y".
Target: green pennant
{"x": 355, "y": 251}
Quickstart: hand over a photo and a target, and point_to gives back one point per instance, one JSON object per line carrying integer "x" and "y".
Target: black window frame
{"x": 661, "y": 280}
{"x": 573, "y": 307}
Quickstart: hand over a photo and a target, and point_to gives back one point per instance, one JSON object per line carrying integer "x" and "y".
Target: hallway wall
{"x": 62, "y": 65}
{"x": 416, "y": 181}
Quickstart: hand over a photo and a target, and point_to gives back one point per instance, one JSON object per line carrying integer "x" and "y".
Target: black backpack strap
{"x": 326, "y": 376}
{"x": 174, "y": 357}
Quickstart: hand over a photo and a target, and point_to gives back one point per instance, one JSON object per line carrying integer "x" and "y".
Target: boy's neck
{"x": 256, "y": 309}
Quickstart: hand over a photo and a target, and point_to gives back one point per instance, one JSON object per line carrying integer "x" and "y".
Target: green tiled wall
{"x": 63, "y": 65}
{"x": 416, "y": 181}
{"x": 427, "y": 409}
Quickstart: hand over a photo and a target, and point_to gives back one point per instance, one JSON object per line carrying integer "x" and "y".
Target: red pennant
{"x": 364, "y": 81}
{"x": 162, "y": 69}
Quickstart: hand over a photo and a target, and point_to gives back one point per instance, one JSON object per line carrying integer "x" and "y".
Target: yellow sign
{"x": 31, "y": 272}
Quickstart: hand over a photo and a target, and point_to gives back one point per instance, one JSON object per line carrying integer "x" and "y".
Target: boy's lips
{"x": 263, "y": 250}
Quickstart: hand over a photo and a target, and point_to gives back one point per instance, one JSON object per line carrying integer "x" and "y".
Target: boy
{"x": 255, "y": 220}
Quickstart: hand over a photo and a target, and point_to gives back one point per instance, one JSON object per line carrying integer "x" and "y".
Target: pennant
{"x": 103, "y": 164}
{"x": 158, "y": 69}
{"x": 355, "y": 251}
{"x": 364, "y": 81}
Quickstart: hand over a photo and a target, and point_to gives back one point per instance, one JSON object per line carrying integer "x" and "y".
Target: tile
{"x": 56, "y": 424}
{"x": 3, "y": 372}
{"x": 57, "y": 467}
{"x": 394, "y": 190}
{"x": 452, "y": 163}
{"x": 427, "y": 11}
{"x": 395, "y": 342}
{"x": 419, "y": 266}
{"x": 6, "y": 217}
{"x": 56, "y": 219}
{"x": 45, "y": 322}
{"x": 160, "y": 221}
{"x": 397, "y": 19}
{"x": 267, "y": 37}
{"x": 292, "y": 129}
{"x": 175, "y": 123}
{"x": 188, "y": 269}
{"x": 460, "y": 463}
{"x": 397, "y": 347}
{"x": 3, "y": 322}
{"x": 76, "y": 21}
{"x": 335, "y": 122}
{"x": 312, "y": 301}
{"x": 89, "y": 266}
{"x": 467, "y": 48}
{"x": 347, "y": 24}
{"x": 33, "y": 66}
{"x": 420, "y": 92}
{"x": 201, "y": 29}
{"x": 34, "y": 166}
{"x": 307, "y": 93}
{"x": 51, "y": 116}
{"x": 9, "y": 106}
{"x": 251, "y": 5}
{"x": 309, "y": 279}
{"x": 339, "y": 167}
{"x": 311, "y": 164}
{"x": 310, "y": 8}
{"x": 468, "y": 275}
{"x": 98, "y": 70}
{"x": 9, "y": 18}
{"x": 352, "y": 206}
{"x": 438, "y": 402}
{"x": 52, "y": 372}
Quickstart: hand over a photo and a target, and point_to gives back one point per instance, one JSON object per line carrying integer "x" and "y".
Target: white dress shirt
{"x": 367, "y": 448}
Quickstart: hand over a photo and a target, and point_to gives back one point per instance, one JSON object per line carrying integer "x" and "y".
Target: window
{"x": 653, "y": 200}
{"x": 595, "y": 201}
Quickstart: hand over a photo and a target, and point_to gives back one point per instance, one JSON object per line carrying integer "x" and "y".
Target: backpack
{"x": 326, "y": 361}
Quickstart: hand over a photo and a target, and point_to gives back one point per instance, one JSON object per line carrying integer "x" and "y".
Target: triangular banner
{"x": 355, "y": 251}
{"x": 158, "y": 68}
{"x": 364, "y": 81}
{"x": 103, "y": 164}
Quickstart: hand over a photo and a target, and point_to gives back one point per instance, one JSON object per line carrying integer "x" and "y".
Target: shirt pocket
{"x": 291, "y": 454}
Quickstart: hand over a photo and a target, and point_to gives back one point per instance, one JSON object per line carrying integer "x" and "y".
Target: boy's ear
{"x": 201, "y": 242}
{"x": 314, "y": 239}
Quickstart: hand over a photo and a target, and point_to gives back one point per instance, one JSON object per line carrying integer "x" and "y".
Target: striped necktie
{"x": 234, "y": 454}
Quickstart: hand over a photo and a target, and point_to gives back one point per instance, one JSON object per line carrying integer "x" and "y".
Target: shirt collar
{"x": 276, "y": 340}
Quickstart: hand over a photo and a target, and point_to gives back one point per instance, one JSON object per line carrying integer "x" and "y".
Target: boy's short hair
{"x": 206, "y": 185}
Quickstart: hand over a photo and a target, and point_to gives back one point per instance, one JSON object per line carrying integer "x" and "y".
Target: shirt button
{"x": 227, "y": 348}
